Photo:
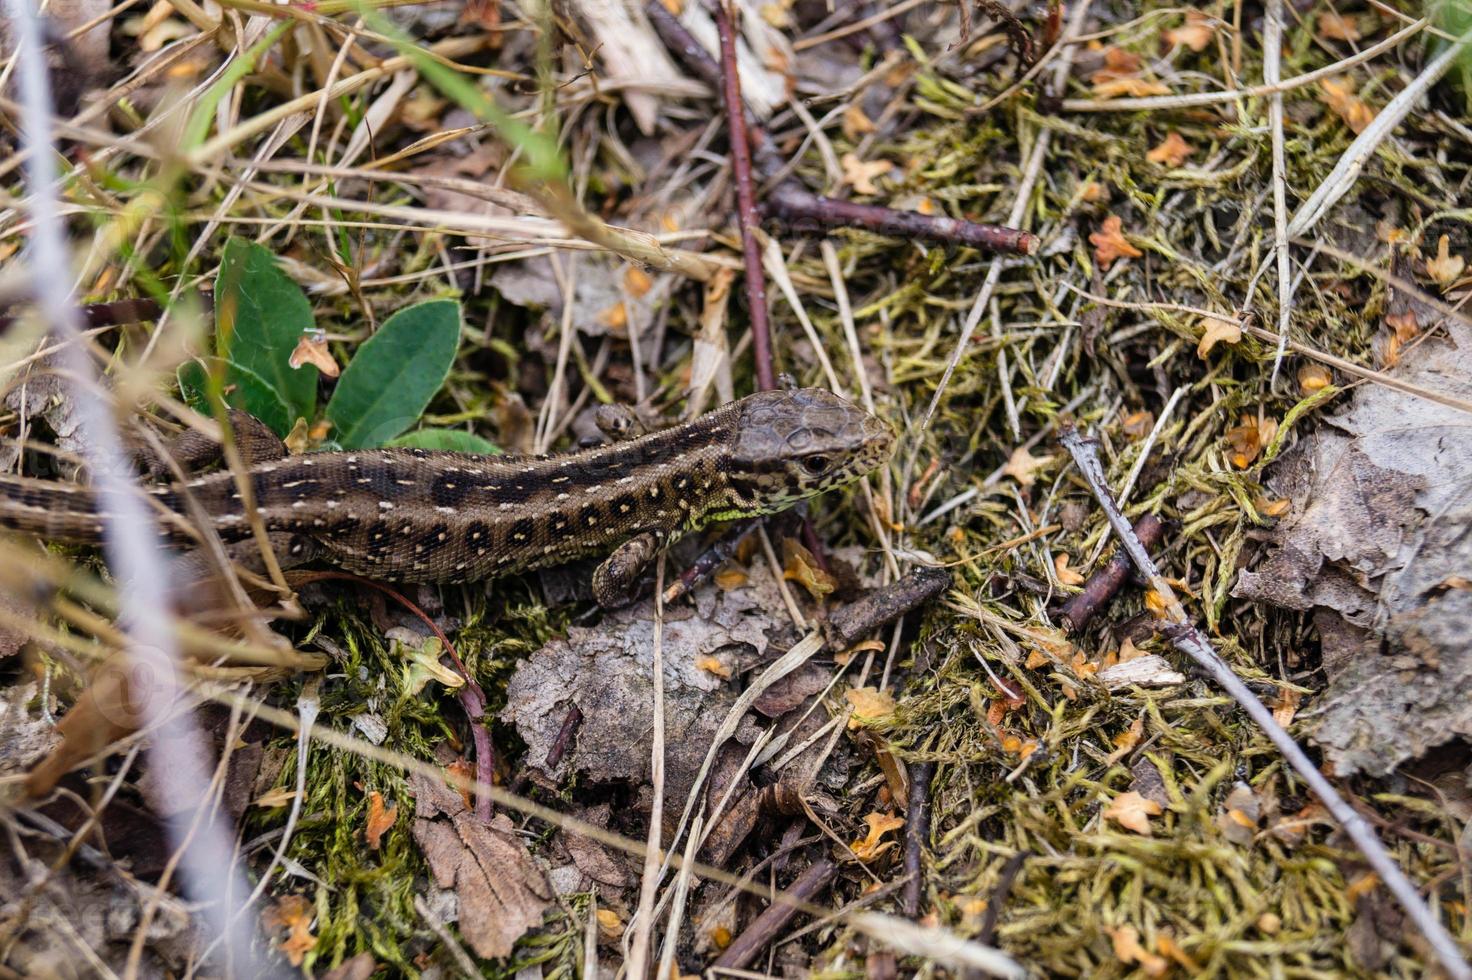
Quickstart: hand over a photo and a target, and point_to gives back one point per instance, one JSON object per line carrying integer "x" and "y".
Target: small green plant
{"x": 261, "y": 316}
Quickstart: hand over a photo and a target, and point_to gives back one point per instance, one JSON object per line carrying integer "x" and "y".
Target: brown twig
{"x": 800, "y": 210}
{"x": 917, "y": 833}
{"x": 565, "y": 735}
{"x": 1187, "y": 639}
{"x": 472, "y": 697}
{"x": 746, "y": 213}
{"x": 764, "y": 928}
{"x": 859, "y": 618}
{"x": 710, "y": 559}
{"x": 999, "y": 897}
{"x": 1107, "y": 581}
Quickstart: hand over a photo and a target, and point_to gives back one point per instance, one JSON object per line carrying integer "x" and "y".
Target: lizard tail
{"x": 58, "y": 511}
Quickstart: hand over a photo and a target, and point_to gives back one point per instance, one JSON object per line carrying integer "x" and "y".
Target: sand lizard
{"x": 426, "y": 516}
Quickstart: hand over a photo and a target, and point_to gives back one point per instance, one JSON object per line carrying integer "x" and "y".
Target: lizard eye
{"x": 815, "y": 465}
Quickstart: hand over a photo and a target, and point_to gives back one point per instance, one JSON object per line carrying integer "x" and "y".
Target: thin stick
{"x": 764, "y": 928}
{"x": 805, "y": 212}
{"x": 649, "y": 883}
{"x": 917, "y": 836}
{"x": 130, "y": 541}
{"x": 1189, "y": 641}
{"x": 1271, "y": 75}
{"x": 746, "y": 213}
{"x": 1347, "y": 170}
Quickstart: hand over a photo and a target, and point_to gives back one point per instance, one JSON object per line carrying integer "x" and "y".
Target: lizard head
{"x": 792, "y": 444}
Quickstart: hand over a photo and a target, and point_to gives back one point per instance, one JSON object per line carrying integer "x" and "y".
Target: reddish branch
{"x": 1107, "y": 581}
{"x": 798, "y": 209}
{"x": 746, "y": 213}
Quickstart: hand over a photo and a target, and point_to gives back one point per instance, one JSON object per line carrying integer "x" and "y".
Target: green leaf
{"x": 242, "y": 389}
{"x": 446, "y": 440}
{"x": 260, "y": 314}
{"x": 394, "y": 374}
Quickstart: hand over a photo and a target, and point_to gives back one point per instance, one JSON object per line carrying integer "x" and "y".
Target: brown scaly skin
{"x": 422, "y": 516}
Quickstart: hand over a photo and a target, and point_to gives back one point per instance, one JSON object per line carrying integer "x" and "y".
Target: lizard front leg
{"x": 614, "y": 580}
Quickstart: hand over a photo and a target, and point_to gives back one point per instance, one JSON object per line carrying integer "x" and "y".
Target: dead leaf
{"x": 1129, "y": 88}
{"x": 1338, "y": 95}
{"x": 1165, "y": 944}
{"x": 731, "y": 577}
{"x": 855, "y": 123}
{"x": 1110, "y": 244}
{"x": 1171, "y": 151}
{"x": 1066, "y": 575}
{"x": 1286, "y": 706}
{"x": 314, "y": 352}
{"x": 799, "y": 565}
{"x": 1314, "y": 377}
{"x": 870, "y": 846}
{"x": 294, "y": 914}
{"x": 1272, "y": 508}
{"x": 1126, "y": 740}
{"x": 1127, "y": 949}
{"x": 1247, "y": 440}
{"x": 1118, "y": 63}
{"x": 1195, "y": 34}
{"x": 860, "y": 175}
{"x": 1137, "y": 425}
{"x": 1155, "y": 602}
{"x": 1378, "y": 520}
{"x": 607, "y": 673}
{"x": 1022, "y": 466}
{"x": 714, "y": 665}
{"x": 500, "y": 891}
{"x": 1133, "y": 812}
{"x": 1445, "y": 268}
{"x": 1334, "y": 26}
{"x": 1404, "y": 324}
{"x": 380, "y": 819}
{"x": 637, "y": 281}
{"x": 1093, "y": 192}
{"x": 871, "y": 706}
{"x": 1215, "y": 331}
{"x": 610, "y": 926}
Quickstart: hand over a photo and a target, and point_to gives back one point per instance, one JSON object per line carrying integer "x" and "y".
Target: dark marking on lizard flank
{"x": 450, "y": 489}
